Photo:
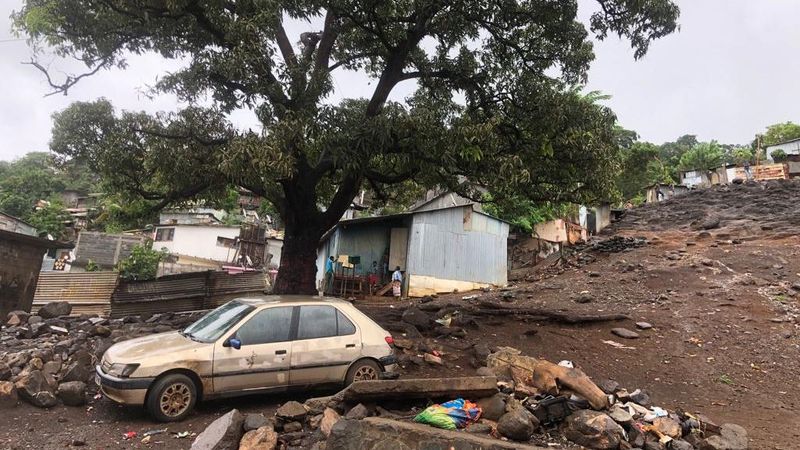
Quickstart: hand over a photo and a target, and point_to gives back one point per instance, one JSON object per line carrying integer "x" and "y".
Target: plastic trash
{"x": 567, "y": 363}
{"x": 182, "y": 435}
{"x": 129, "y": 435}
{"x": 451, "y": 415}
{"x": 154, "y": 432}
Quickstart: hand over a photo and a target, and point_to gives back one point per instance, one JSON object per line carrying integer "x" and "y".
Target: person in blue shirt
{"x": 329, "y": 275}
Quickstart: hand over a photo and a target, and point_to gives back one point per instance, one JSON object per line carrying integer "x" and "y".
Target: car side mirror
{"x": 234, "y": 343}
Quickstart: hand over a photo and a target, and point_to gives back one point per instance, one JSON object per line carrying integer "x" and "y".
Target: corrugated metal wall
{"x": 101, "y": 293}
{"x": 458, "y": 244}
{"x": 87, "y": 292}
{"x": 369, "y": 241}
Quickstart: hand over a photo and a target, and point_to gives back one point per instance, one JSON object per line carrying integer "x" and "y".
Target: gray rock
{"x": 33, "y": 320}
{"x": 72, "y": 393}
{"x": 644, "y": 325}
{"x": 493, "y": 407}
{"x": 641, "y": 397}
{"x": 255, "y": 421}
{"x": 292, "y": 411}
{"x": 608, "y": 386}
{"x": 482, "y": 352}
{"x": 479, "y": 428}
{"x": 710, "y": 223}
{"x": 625, "y": 333}
{"x": 223, "y": 434}
{"x": 8, "y": 395}
{"x": 358, "y": 412}
{"x": 680, "y": 444}
{"x": 54, "y": 309}
{"x": 16, "y": 318}
{"x": 517, "y": 425}
{"x": 583, "y": 298}
{"x": 100, "y": 330}
{"x": 418, "y": 318}
{"x": 731, "y": 437}
{"x": 37, "y": 389}
{"x": 317, "y": 405}
{"x": 292, "y": 427}
{"x": 593, "y": 430}
{"x": 77, "y": 372}
{"x": 620, "y": 414}
{"x": 5, "y": 372}
{"x": 52, "y": 367}
{"x": 796, "y": 286}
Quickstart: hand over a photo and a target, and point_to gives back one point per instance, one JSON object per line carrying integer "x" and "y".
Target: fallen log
{"x": 545, "y": 376}
{"x": 431, "y": 388}
{"x": 544, "y": 314}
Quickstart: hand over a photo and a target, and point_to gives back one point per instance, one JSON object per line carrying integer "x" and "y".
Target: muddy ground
{"x": 725, "y": 340}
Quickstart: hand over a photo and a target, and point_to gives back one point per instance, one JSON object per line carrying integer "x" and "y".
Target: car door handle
{"x": 280, "y": 352}
{"x": 350, "y": 346}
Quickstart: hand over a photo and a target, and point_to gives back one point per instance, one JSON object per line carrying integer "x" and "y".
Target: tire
{"x": 171, "y": 398}
{"x": 363, "y": 369}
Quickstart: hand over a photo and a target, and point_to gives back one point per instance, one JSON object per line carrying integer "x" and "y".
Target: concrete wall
{"x": 274, "y": 248}
{"x": 458, "y": 244}
{"x": 106, "y": 250}
{"x": 602, "y": 217}
{"x": 552, "y": 231}
{"x": 19, "y": 273}
{"x": 199, "y": 241}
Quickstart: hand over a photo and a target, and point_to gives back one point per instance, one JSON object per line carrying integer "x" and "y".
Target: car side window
{"x": 346, "y": 327}
{"x": 269, "y": 325}
{"x": 316, "y": 322}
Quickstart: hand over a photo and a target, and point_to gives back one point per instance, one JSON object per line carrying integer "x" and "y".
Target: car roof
{"x": 289, "y": 300}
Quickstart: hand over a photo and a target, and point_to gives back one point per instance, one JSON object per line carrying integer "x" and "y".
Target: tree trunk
{"x": 297, "y": 273}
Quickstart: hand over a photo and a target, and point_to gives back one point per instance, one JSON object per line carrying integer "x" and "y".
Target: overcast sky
{"x": 730, "y": 71}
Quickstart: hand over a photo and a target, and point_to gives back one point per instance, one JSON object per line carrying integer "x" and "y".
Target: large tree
{"x": 780, "y": 133}
{"x": 492, "y": 105}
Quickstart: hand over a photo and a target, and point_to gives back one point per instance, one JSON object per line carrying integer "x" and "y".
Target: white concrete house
{"x": 205, "y": 241}
{"x": 790, "y": 147}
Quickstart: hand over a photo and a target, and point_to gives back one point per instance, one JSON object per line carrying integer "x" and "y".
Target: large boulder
{"x": 417, "y": 317}
{"x": 8, "y": 395}
{"x": 731, "y": 437}
{"x": 54, "y": 309}
{"x": 223, "y": 433}
{"x": 77, "y": 371}
{"x": 72, "y": 393}
{"x": 517, "y": 424}
{"x": 594, "y": 430}
{"x": 37, "y": 389}
{"x": 493, "y": 408}
{"x": 264, "y": 438}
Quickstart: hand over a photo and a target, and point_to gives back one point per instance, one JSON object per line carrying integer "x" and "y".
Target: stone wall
{"x": 20, "y": 261}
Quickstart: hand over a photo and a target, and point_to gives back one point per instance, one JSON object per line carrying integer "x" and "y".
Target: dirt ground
{"x": 724, "y": 342}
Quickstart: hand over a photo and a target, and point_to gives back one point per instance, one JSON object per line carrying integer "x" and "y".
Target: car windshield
{"x": 214, "y": 324}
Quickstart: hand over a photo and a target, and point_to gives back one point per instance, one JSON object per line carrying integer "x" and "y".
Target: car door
{"x": 327, "y": 342}
{"x": 264, "y": 357}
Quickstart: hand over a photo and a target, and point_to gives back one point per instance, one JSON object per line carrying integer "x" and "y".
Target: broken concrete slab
{"x": 465, "y": 387}
{"x": 374, "y": 433}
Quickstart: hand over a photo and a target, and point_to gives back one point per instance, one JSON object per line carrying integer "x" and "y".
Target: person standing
{"x": 329, "y": 275}
{"x": 397, "y": 282}
{"x": 747, "y": 172}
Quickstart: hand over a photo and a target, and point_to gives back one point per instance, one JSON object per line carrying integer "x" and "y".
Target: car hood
{"x": 171, "y": 346}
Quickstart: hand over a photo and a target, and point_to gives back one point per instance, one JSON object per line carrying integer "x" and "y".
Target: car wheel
{"x": 172, "y": 398}
{"x": 363, "y": 370}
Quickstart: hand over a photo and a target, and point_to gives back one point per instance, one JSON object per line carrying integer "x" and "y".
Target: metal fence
{"x": 102, "y": 293}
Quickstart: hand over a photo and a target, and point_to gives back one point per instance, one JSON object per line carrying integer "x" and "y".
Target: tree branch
{"x": 70, "y": 80}
{"x": 285, "y": 46}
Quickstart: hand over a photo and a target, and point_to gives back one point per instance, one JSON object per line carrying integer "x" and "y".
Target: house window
{"x": 226, "y": 242}
{"x": 164, "y": 234}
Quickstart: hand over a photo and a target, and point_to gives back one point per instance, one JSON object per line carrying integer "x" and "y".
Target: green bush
{"x": 778, "y": 155}
{"x": 142, "y": 264}
{"x": 92, "y": 266}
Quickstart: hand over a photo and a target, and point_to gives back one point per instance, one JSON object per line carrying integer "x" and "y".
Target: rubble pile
{"x": 49, "y": 357}
{"x": 617, "y": 244}
{"x": 527, "y": 403}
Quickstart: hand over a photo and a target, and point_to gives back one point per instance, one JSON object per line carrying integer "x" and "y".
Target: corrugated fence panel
{"x": 87, "y": 292}
{"x": 222, "y": 283}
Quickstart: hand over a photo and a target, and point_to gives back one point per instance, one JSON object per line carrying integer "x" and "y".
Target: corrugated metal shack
{"x": 438, "y": 250}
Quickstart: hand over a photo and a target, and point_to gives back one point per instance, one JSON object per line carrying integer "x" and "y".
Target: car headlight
{"x": 122, "y": 370}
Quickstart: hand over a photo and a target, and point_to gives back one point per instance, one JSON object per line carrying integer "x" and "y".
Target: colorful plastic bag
{"x": 454, "y": 414}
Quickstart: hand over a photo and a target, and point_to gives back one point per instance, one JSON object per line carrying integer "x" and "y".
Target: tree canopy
{"x": 703, "y": 156}
{"x": 780, "y": 132}
{"x": 493, "y": 108}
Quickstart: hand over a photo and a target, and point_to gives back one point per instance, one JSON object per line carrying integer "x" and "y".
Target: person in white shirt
{"x": 397, "y": 281}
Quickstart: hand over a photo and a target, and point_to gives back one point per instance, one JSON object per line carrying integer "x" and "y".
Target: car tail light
{"x": 389, "y": 340}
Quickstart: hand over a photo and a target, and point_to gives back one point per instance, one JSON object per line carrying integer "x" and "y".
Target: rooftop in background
{"x": 16, "y": 225}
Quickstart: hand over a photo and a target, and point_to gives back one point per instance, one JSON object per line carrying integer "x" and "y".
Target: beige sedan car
{"x": 248, "y": 345}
